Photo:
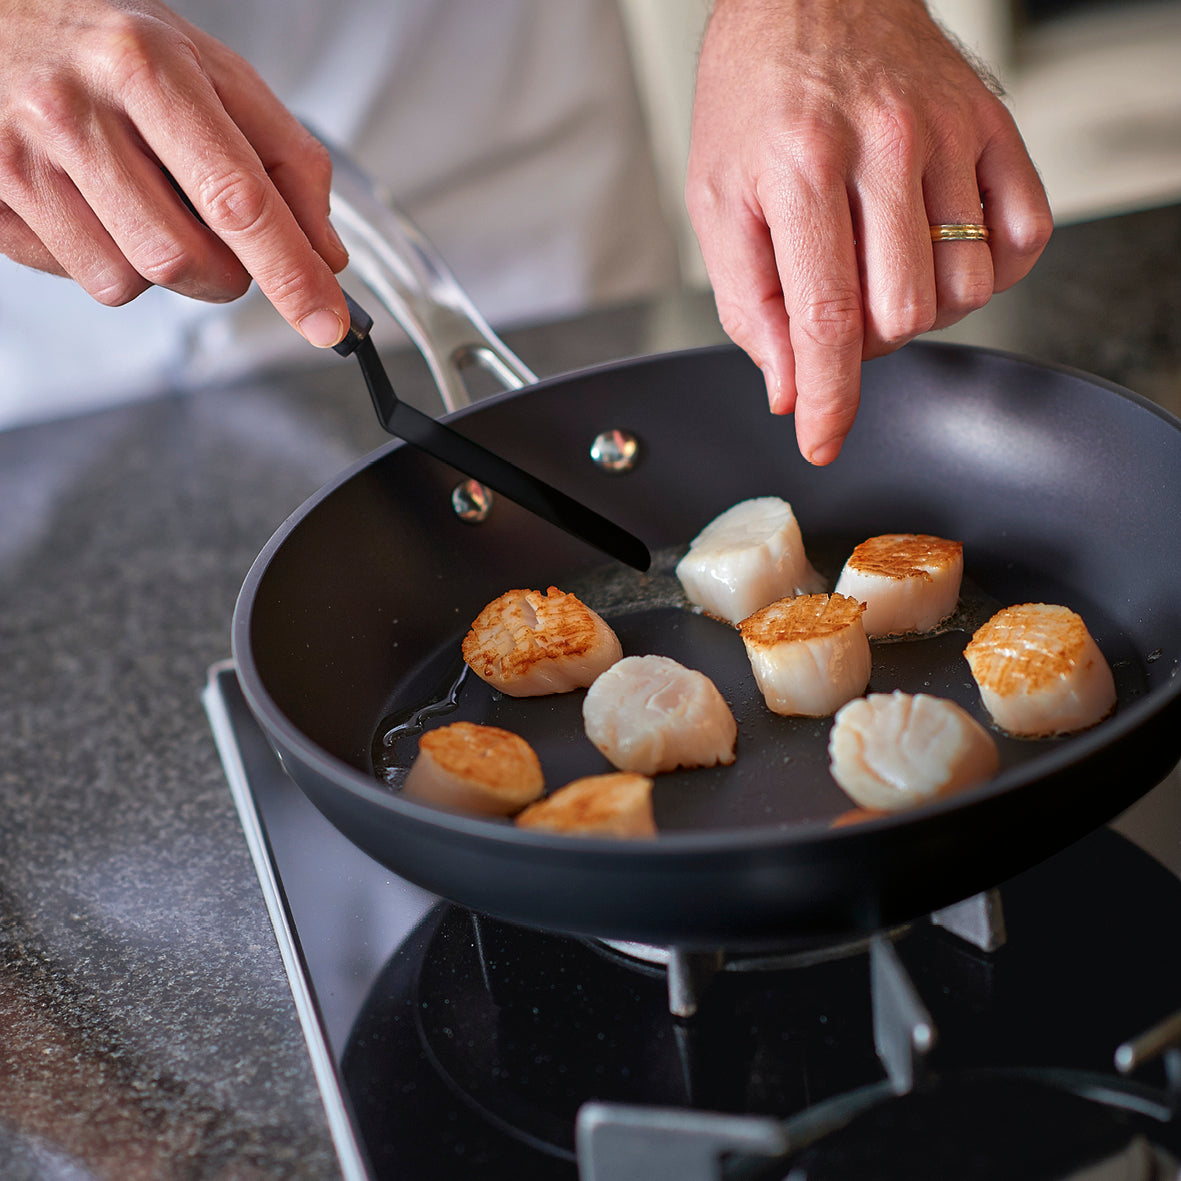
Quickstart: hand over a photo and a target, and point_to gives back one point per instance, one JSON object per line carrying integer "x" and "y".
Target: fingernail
{"x": 773, "y": 392}
{"x": 825, "y": 453}
{"x": 334, "y": 238}
{"x": 323, "y": 328}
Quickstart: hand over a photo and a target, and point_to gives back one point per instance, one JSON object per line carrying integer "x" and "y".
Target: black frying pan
{"x": 1062, "y": 488}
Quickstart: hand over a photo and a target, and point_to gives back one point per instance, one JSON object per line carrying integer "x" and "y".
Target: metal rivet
{"x": 615, "y": 451}
{"x": 471, "y": 501}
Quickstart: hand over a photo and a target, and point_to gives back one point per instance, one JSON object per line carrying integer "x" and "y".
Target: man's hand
{"x": 828, "y": 136}
{"x": 105, "y": 106}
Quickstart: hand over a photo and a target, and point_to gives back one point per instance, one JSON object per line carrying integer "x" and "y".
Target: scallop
{"x": 891, "y": 751}
{"x": 650, "y": 714}
{"x": 809, "y": 654}
{"x": 748, "y": 557}
{"x": 527, "y": 644}
{"x": 909, "y": 582}
{"x": 1040, "y": 672}
{"x": 482, "y": 770}
{"x": 618, "y": 804}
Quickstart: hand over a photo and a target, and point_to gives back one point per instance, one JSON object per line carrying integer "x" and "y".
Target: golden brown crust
{"x": 905, "y": 555}
{"x": 805, "y": 617}
{"x": 498, "y": 760}
{"x": 522, "y": 628}
{"x": 618, "y": 803}
{"x": 856, "y": 816}
{"x": 1026, "y": 648}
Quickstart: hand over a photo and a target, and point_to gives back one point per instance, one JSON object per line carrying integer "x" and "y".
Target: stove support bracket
{"x": 618, "y": 1142}
{"x": 979, "y": 920}
{"x": 689, "y": 974}
{"x": 903, "y": 1031}
{"x": 1161, "y": 1041}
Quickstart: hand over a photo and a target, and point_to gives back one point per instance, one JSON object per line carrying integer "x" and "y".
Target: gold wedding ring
{"x": 960, "y": 232}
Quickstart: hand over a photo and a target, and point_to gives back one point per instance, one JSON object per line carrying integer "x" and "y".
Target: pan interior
{"x": 1062, "y": 490}
{"x": 781, "y": 776}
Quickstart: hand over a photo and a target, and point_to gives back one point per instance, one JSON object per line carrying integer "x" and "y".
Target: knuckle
{"x": 834, "y": 417}
{"x": 903, "y": 322}
{"x": 166, "y": 265}
{"x": 13, "y": 161}
{"x": 133, "y": 50}
{"x": 53, "y": 110}
{"x": 232, "y": 287}
{"x": 315, "y": 163}
{"x": 116, "y": 285}
{"x": 1030, "y": 234}
{"x": 234, "y": 203}
{"x": 292, "y": 289}
{"x": 966, "y": 291}
{"x": 893, "y": 139}
{"x": 705, "y": 201}
{"x": 833, "y": 319}
{"x": 190, "y": 272}
{"x": 813, "y": 151}
{"x": 754, "y": 324}
{"x": 735, "y": 323}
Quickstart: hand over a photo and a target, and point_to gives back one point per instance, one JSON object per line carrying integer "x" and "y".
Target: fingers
{"x": 740, "y": 258}
{"x": 893, "y": 240}
{"x": 835, "y": 132}
{"x": 218, "y": 168}
{"x": 1002, "y": 190}
{"x": 20, "y": 244}
{"x": 53, "y": 226}
{"x": 99, "y": 109}
{"x": 813, "y": 238}
{"x": 963, "y": 271}
{"x": 1015, "y": 204}
{"x": 297, "y": 164}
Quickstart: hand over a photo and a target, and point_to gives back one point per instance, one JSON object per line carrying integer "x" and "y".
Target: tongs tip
{"x": 360, "y": 324}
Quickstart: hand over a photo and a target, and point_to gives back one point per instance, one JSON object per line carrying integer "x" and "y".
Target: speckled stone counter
{"x": 146, "y": 1026}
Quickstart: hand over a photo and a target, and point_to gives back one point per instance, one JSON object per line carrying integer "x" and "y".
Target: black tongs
{"x": 423, "y": 432}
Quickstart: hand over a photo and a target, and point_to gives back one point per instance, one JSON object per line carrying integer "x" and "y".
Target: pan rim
{"x": 672, "y": 844}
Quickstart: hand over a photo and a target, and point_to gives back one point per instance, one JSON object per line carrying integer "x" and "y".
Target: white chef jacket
{"x": 509, "y": 130}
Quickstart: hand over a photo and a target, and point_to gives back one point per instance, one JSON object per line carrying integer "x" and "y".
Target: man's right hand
{"x": 105, "y": 105}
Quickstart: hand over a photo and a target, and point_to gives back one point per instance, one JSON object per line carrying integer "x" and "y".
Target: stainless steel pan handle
{"x": 393, "y": 258}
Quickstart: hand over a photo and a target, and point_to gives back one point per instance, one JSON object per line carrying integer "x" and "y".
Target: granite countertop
{"x": 147, "y": 1026}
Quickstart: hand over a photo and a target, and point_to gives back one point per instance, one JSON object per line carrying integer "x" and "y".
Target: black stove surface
{"x": 452, "y": 1045}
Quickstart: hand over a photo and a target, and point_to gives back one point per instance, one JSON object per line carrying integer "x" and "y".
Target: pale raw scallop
{"x": 1039, "y": 671}
{"x": 909, "y": 582}
{"x": 891, "y": 751}
{"x": 809, "y": 654}
{"x": 479, "y": 769}
{"x": 527, "y": 644}
{"x": 650, "y": 714}
{"x": 748, "y": 557}
{"x": 618, "y": 804}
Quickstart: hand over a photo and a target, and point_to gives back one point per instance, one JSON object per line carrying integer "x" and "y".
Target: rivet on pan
{"x": 615, "y": 451}
{"x": 471, "y": 501}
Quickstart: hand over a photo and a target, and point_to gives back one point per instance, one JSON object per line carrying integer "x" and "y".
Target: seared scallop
{"x": 478, "y": 769}
{"x": 748, "y": 557}
{"x": 809, "y": 654}
{"x": 650, "y": 714}
{"x": 909, "y": 582}
{"x": 891, "y": 751}
{"x": 527, "y": 644}
{"x": 1040, "y": 672}
{"x": 618, "y": 804}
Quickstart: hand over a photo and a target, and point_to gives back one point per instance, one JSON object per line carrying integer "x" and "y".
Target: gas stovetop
{"x": 1029, "y": 1033}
